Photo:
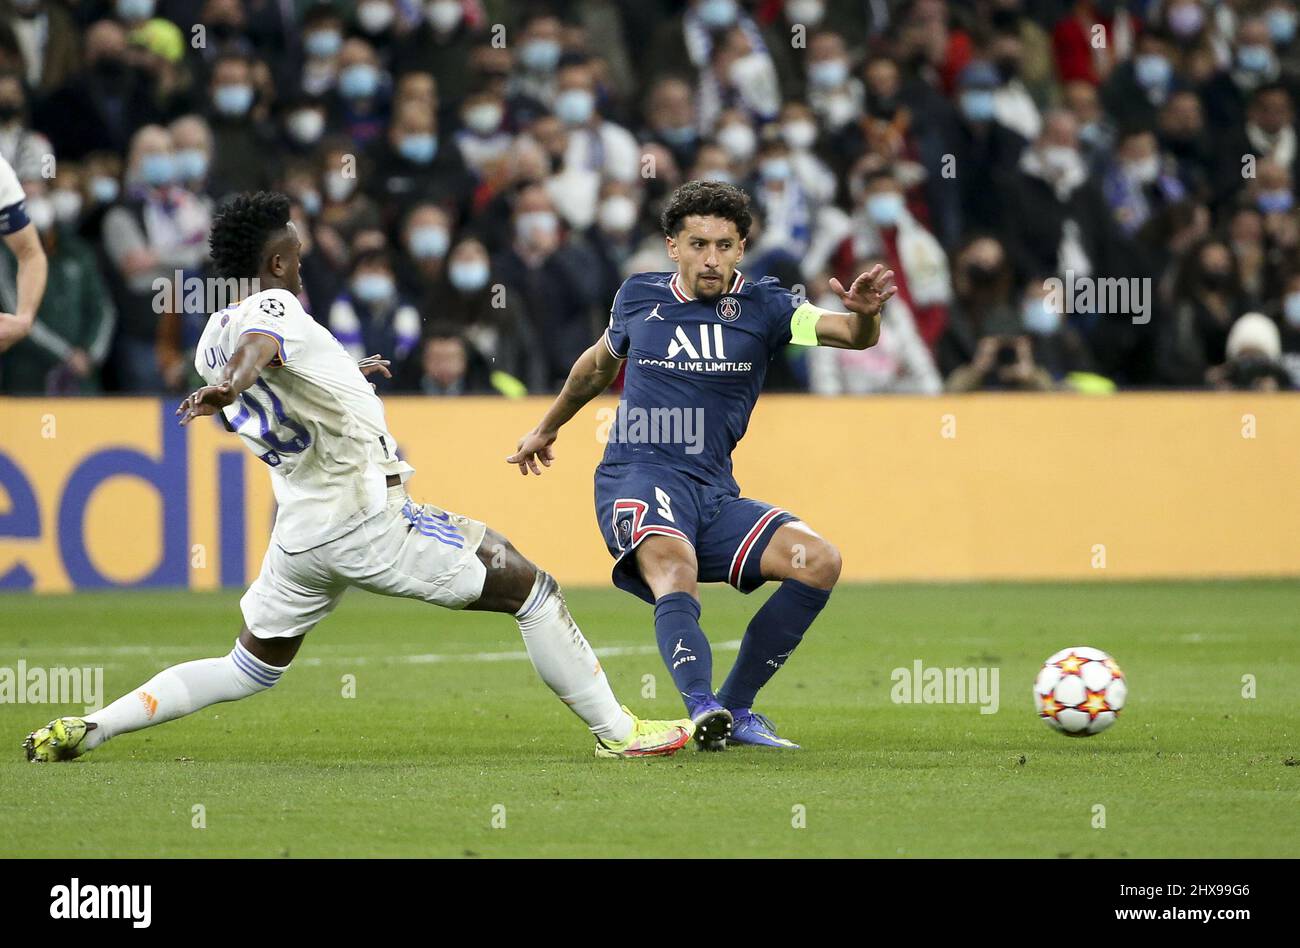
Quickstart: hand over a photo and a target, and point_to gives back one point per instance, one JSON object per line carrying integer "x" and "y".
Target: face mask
{"x": 1186, "y": 20}
{"x": 1216, "y": 280}
{"x": 885, "y": 208}
{"x": 1039, "y": 318}
{"x": 157, "y": 170}
{"x": 1144, "y": 171}
{"x": 359, "y": 81}
{"x": 775, "y": 169}
{"x": 66, "y": 203}
{"x": 739, "y": 140}
{"x": 679, "y": 136}
{"x": 799, "y": 134}
{"x": 105, "y": 190}
{"x": 9, "y": 111}
{"x": 484, "y": 118}
{"x": 977, "y": 105}
{"x": 429, "y": 242}
{"x": 540, "y": 55}
{"x": 807, "y": 12}
{"x": 718, "y": 174}
{"x": 1274, "y": 202}
{"x": 536, "y": 225}
{"x": 372, "y": 287}
{"x": 375, "y": 17}
{"x": 444, "y": 14}
{"x": 41, "y": 213}
{"x": 1256, "y": 59}
{"x": 617, "y": 214}
{"x": 1281, "y": 25}
{"x": 828, "y": 74}
{"x": 418, "y": 149}
{"x": 132, "y": 10}
{"x": 322, "y": 44}
{"x": 1060, "y": 158}
{"x": 717, "y": 14}
{"x": 310, "y": 201}
{"x": 1151, "y": 70}
{"x": 575, "y": 106}
{"x": 1291, "y": 310}
{"x": 305, "y": 126}
{"x": 233, "y": 100}
{"x": 191, "y": 164}
{"x": 1091, "y": 134}
{"x": 339, "y": 188}
{"x": 468, "y": 276}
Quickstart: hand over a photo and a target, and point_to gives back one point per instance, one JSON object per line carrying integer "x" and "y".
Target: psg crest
{"x": 728, "y": 309}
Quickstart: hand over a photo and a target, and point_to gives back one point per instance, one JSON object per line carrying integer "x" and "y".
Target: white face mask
{"x": 1291, "y": 310}
{"x": 66, "y": 203}
{"x": 375, "y": 16}
{"x": 339, "y": 188}
{"x": 739, "y": 140}
{"x": 807, "y": 12}
{"x": 536, "y": 225}
{"x": 799, "y": 134}
{"x": 444, "y": 14}
{"x": 484, "y": 118}
{"x": 41, "y": 213}
{"x": 305, "y": 126}
{"x": 1144, "y": 171}
{"x": 1060, "y": 158}
{"x": 617, "y": 214}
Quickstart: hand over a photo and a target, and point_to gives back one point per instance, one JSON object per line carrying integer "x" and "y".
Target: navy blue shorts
{"x": 729, "y": 533}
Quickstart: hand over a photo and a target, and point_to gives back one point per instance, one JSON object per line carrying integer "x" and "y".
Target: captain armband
{"x": 803, "y": 325}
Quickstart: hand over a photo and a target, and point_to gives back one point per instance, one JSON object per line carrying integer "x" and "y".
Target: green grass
{"x": 416, "y": 762}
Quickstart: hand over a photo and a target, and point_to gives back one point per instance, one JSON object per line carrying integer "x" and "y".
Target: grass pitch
{"x": 452, "y": 746}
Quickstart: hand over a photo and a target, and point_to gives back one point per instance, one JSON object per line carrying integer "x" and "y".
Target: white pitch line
{"x": 432, "y": 658}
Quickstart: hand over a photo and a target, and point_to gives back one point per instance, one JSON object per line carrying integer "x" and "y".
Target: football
{"x": 1080, "y": 691}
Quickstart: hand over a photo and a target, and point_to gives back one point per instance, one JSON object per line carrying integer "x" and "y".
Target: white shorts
{"x": 416, "y": 551}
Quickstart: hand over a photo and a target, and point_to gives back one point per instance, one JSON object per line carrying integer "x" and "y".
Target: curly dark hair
{"x": 706, "y": 199}
{"x": 241, "y": 229}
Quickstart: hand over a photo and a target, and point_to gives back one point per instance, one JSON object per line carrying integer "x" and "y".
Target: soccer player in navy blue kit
{"x": 697, "y": 342}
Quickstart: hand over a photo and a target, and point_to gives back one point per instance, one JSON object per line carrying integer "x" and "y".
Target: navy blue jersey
{"x": 694, "y": 370}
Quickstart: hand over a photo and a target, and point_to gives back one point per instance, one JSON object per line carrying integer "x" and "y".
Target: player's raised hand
{"x": 205, "y": 401}
{"x": 869, "y": 292}
{"x": 533, "y": 447}
{"x": 375, "y": 363}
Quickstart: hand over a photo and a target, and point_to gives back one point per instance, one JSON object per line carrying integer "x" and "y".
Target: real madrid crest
{"x": 728, "y": 309}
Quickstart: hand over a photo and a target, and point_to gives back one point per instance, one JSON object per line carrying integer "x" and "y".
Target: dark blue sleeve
{"x": 616, "y": 335}
{"x": 779, "y": 305}
{"x": 13, "y": 218}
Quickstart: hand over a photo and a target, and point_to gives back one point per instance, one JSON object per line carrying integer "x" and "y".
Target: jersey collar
{"x": 674, "y": 284}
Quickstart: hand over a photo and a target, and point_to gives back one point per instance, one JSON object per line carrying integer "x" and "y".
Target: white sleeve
{"x": 13, "y": 210}
{"x": 278, "y": 314}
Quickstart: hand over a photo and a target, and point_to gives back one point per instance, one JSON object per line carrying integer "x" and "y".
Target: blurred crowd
{"x": 473, "y": 180}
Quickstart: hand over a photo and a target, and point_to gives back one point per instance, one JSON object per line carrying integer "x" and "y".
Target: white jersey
{"x": 311, "y": 416}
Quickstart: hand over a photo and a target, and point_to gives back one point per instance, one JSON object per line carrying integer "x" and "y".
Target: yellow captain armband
{"x": 803, "y": 325}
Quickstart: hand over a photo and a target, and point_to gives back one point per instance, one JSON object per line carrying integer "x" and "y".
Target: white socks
{"x": 566, "y": 662}
{"x": 182, "y": 689}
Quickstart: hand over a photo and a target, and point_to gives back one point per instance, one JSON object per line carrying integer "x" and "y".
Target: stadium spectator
{"x": 440, "y": 45}
{"x": 1289, "y": 327}
{"x": 46, "y": 36}
{"x": 322, "y": 41}
{"x": 1058, "y": 348}
{"x": 360, "y": 97}
{"x": 157, "y": 232}
{"x": 1208, "y": 299}
{"x": 983, "y": 149}
{"x": 25, "y": 149}
{"x": 449, "y": 366}
{"x": 426, "y": 238}
{"x": 1254, "y": 357}
{"x": 548, "y": 271}
{"x": 372, "y": 316}
{"x": 240, "y": 138}
{"x": 1138, "y": 88}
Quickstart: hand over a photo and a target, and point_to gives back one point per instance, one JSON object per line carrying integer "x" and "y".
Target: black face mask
{"x": 1008, "y": 69}
{"x": 9, "y": 111}
{"x": 981, "y": 275}
{"x": 110, "y": 69}
{"x": 1216, "y": 280}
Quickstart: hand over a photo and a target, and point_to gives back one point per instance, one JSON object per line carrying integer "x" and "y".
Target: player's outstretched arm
{"x": 33, "y": 270}
{"x": 254, "y": 353}
{"x": 591, "y": 374}
{"x": 865, "y": 300}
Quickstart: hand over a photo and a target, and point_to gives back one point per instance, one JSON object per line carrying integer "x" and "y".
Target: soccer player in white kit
{"x": 301, "y": 404}
{"x": 19, "y": 234}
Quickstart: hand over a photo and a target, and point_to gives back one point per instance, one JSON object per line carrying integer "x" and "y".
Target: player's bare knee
{"x": 822, "y": 565}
